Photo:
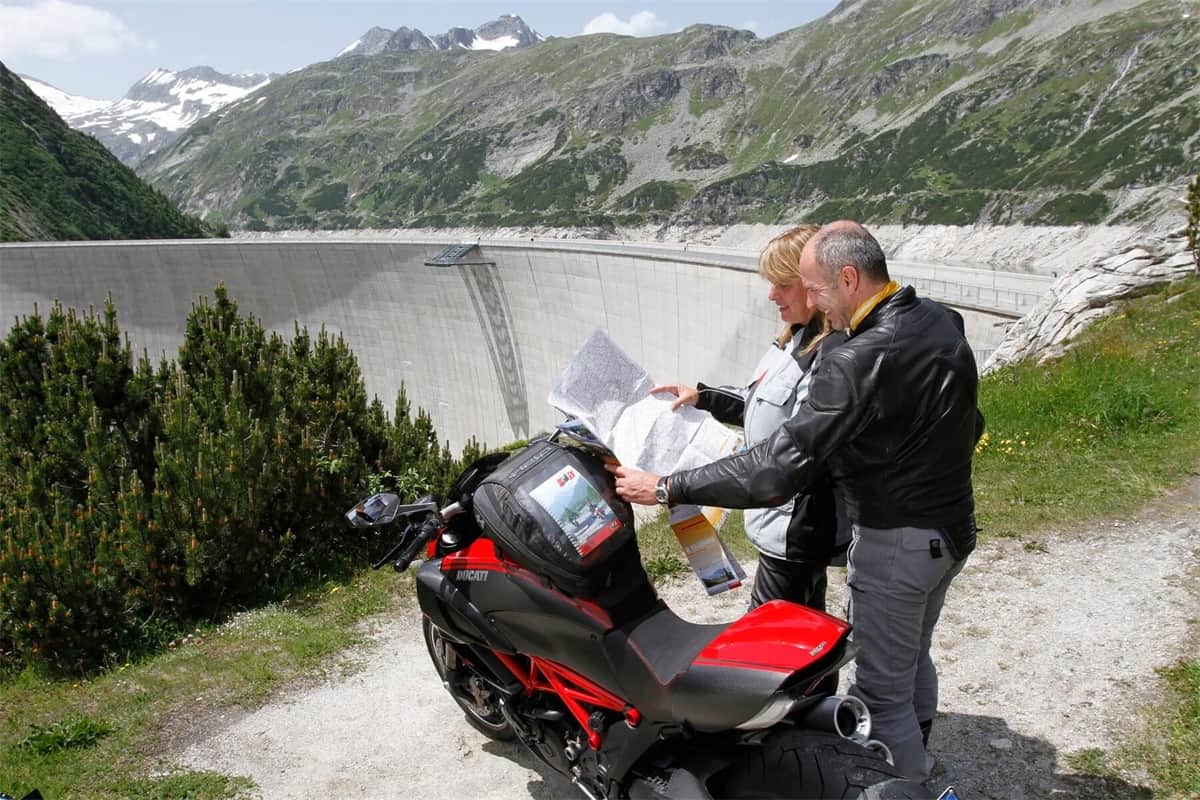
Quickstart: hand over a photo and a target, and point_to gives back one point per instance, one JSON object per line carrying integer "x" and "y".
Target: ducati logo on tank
{"x": 582, "y": 513}
{"x": 471, "y": 575}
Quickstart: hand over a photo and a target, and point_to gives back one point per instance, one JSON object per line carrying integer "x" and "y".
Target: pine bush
{"x": 75, "y": 576}
{"x": 136, "y": 500}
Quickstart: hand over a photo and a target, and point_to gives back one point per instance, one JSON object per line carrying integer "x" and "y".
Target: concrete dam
{"x": 477, "y": 334}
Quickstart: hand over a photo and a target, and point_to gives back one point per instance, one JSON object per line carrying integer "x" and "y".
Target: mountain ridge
{"x": 507, "y": 31}
{"x": 900, "y": 111}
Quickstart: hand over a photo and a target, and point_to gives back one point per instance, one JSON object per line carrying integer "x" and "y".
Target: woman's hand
{"x": 686, "y": 395}
{"x": 634, "y": 485}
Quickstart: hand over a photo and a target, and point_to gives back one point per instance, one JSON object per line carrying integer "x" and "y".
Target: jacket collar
{"x": 894, "y": 299}
{"x": 871, "y": 302}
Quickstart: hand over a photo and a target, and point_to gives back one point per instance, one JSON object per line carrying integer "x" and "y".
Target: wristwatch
{"x": 660, "y": 491}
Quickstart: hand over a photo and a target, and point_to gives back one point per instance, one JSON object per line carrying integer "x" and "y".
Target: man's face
{"x": 828, "y": 293}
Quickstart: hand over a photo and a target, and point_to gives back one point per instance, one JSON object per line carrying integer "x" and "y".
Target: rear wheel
{"x": 898, "y": 790}
{"x": 479, "y": 701}
{"x": 804, "y": 764}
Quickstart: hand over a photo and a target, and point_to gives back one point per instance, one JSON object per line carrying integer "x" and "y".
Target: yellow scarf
{"x": 869, "y": 304}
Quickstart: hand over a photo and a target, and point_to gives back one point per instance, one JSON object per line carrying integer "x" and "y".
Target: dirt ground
{"x": 1046, "y": 647}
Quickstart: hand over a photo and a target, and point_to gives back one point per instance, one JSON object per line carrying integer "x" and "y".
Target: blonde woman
{"x": 796, "y": 540}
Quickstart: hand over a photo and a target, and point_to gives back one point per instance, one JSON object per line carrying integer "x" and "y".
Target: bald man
{"x": 892, "y": 415}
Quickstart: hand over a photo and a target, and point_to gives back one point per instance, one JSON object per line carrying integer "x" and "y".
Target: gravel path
{"x": 1045, "y": 648}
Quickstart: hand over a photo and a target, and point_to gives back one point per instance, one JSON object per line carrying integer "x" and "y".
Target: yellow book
{"x": 714, "y": 565}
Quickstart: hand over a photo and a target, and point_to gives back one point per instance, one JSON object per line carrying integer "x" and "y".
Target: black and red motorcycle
{"x": 544, "y": 627}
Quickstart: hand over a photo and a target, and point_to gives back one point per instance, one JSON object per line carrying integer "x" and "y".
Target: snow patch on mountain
{"x": 154, "y": 111}
{"x": 494, "y": 44}
{"x": 64, "y": 104}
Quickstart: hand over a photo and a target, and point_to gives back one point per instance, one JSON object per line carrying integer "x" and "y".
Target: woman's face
{"x": 792, "y": 301}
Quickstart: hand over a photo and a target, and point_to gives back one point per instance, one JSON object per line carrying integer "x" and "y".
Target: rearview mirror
{"x": 378, "y": 509}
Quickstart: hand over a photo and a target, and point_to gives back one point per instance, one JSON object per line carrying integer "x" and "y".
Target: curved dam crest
{"x": 477, "y": 342}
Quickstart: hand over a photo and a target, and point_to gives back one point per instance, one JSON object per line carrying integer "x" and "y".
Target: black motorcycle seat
{"x": 654, "y": 657}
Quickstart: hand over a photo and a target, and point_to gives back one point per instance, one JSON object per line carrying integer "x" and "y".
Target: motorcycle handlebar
{"x": 429, "y": 529}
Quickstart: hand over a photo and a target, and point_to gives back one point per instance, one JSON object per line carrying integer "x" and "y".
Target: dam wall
{"x": 477, "y": 342}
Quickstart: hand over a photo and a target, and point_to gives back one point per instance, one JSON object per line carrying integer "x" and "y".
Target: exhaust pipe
{"x": 876, "y": 746}
{"x": 846, "y": 716}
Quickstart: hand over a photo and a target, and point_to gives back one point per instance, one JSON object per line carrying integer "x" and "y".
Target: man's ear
{"x": 848, "y": 275}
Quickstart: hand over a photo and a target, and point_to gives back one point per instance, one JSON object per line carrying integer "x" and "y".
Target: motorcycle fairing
{"x": 777, "y": 636}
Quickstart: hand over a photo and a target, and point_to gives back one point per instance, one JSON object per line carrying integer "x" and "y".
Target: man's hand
{"x": 686, "y": 395}
{"x": 634, "y": 485}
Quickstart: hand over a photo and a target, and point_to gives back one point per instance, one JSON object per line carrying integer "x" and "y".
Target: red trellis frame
{"x": 576, "y": 692}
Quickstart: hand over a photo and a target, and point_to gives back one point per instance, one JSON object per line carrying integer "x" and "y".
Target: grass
{"x": 1090, "y": 760}
{"x": 1173, "y": 758}
{"x": 1099, "y": 432}
{"x": 101, "y": 736}
{"x": 1092, "y": 435}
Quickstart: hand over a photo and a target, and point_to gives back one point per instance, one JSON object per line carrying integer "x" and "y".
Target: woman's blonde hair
{"x": 779, "y": 263}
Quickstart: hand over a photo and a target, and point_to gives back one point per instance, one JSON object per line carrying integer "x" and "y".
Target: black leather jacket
{"x": 891, "y": 414}
{"x": 812, "y": 530}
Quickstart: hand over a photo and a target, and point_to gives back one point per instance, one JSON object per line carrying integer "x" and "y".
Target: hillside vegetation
{"x": 57, "y": 183}
{"x": 909, "y": 111}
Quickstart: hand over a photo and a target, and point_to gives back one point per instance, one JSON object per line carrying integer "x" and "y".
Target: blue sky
{"x": 99, "y": 48}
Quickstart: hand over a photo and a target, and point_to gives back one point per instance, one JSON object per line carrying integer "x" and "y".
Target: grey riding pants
{"x": 897, "y": 582}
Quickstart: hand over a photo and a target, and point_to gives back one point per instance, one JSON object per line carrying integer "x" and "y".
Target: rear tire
{"x": 804, "y": 764}
{"x": 479, "y": 702}
{"x": 898, "y": 790}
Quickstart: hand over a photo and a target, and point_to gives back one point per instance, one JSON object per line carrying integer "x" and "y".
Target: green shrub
{"x": 76, "y": 433}
{"x": 136, "y": 500}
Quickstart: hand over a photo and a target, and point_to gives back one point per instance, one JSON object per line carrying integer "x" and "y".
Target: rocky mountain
{"x": 499, "y": 34}
{"x": 900, "y": 111}
{"x": 57, "y": 183}
{"x": 154, "y": 111}
{"x": 370, "y": 43}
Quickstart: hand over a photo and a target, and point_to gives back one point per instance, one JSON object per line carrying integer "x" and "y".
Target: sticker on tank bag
{"x": 578, "y": 508}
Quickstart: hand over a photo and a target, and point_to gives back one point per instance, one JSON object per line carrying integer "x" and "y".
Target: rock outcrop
{"x": 1090, "y": 292}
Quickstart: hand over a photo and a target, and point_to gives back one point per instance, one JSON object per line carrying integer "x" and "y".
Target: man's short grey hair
{"x": 853, "y": 246}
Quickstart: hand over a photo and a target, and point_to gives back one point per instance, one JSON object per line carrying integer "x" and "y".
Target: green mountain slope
{"x": 56, "y": 183}
{"x": 950, "y": 111}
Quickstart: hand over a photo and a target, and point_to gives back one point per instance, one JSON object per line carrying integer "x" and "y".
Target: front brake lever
{"x": 392, "y": 553}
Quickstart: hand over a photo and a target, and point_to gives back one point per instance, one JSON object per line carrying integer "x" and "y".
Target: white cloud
{"x": 643, "y": 23}
{"x": 61, "y": 30}
{"x": 752, "y": 25}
